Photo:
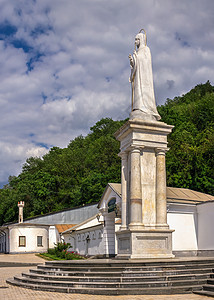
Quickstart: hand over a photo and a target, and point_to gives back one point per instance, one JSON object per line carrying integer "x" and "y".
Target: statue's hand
{"x": 131, "y": 61}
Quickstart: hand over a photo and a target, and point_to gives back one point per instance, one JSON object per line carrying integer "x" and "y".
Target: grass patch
{"x": 48, "y": 256}
{"x": 69, "y": 256}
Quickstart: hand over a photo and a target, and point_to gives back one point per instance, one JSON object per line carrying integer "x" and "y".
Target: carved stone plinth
{"x": 145, "y": 243}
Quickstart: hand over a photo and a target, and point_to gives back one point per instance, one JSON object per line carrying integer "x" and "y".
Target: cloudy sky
{"x": 64, "y": 65}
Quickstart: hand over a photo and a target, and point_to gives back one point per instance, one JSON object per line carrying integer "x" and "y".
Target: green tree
{"x": 79, "y": 173}
{"x": 189, "y": 162}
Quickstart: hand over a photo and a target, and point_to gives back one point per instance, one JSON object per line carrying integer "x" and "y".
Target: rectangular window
{"x": 39, "y": 241}
{"x": 22, "y": 241}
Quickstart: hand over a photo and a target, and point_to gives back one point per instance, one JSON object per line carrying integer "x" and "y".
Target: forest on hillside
{"x": 78, "y": 174}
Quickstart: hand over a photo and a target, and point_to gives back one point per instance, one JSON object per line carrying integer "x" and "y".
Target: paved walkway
{"x": 8, "y": 292}
{"x": 14, "y": 259}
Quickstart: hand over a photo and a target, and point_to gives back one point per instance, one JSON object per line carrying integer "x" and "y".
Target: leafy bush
{"x": 51, "y": 251}
{"x": 62, "y": 246}
{"x": 61, "y": 251}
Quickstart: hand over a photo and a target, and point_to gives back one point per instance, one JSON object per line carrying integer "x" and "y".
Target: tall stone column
{"x": 135, "y": 188}
{"x": 161, "y": 211}
{"x": 124, "y": 166}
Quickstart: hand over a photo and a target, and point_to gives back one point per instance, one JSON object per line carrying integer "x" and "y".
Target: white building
{"x": 42, "y": 232}
{"x": 24, "y": 237}
{"x": 189, "y": 213}
{"x": 91, "y": 229}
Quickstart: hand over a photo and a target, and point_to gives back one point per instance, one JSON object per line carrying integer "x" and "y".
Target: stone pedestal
{"x": 144, "y": 232}
{"x": 144, "y": 243}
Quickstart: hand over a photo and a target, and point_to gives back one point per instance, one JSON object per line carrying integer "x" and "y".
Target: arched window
{"x": 112, "y": 205}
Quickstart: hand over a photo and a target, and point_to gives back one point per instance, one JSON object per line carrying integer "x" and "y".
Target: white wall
{"x": 117, "y": 227}
{"x": 183, "y": 219}
{"x": 109, "y": 233}
{"x": 206, "y": 226}
{"x": 71, "y": 239}
{"x": 54, "y": 236}
{"x": 95, "y": 244}
{"x": 30, "y": 232}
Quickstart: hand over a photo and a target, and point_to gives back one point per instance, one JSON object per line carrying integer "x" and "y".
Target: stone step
{"x": 204, "y": 293}
{"x": 185, "y": 289}
{"x": 104, "y": 285}
{"x": 106, "y": 263}
{"x": 211, "y": 282}
{"x": 208, "y": 287}
{"x": 110, "y": 278}
{"x": 120, "y": 279}
{"x": 115, "y": 263}
{"x": 83, "y": 268}
{"x": 123, "y": 273}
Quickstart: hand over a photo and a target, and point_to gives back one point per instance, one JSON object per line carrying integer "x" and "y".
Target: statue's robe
{"x": 142, "y": 82}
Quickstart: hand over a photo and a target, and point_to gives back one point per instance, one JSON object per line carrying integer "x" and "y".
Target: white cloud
{"x": 73, "y": 68}
{"x": 14, "y": 156}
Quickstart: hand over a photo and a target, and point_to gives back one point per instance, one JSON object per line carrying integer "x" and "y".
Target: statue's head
{"x": 140, "y": 40}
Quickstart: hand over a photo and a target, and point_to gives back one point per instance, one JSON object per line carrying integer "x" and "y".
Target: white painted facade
{"x": 192, "y": 221}
{"x": 90, "y": 241}
{"x": 102, "y": 239}
{"x": 25, "y": 238}
{"x": 205, "y": 226}
{"x": 183, "y": 220}
{"x": 86, "y": 238}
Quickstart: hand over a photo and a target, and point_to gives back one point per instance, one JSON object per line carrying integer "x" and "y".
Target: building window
{"x": 22, "y": 241}
{"x": 100, "y": 235}
{"x": 39, "y": 241}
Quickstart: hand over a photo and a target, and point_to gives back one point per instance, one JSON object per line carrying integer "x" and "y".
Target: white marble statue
{"x": 143, "y": 98}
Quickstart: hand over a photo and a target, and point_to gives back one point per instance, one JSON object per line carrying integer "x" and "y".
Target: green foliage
{"x": 65, "y": 178}
{"x": 61, "y": 251}
{"x": 61, "y": 246}
{"x": 190, "y": 160}
{"x": 79, "y": 173}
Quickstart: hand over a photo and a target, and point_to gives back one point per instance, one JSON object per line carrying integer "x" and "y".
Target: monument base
{"x": 144, "y": 243}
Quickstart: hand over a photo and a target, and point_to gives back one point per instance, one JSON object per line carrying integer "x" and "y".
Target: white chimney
{"x": 21, "y": 204}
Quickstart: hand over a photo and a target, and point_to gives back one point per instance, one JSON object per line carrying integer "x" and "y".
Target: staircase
{"x": 114, "y": 277}
{"x": 208, "y": 288}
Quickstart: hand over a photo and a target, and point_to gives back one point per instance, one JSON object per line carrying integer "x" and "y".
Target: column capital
{"x": 123, "y": 154}
{"x": 161, "y": 151}
{"x": 135, "y": 148}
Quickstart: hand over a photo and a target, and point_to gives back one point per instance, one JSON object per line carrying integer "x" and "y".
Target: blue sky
{"x": 64, "y": 65}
